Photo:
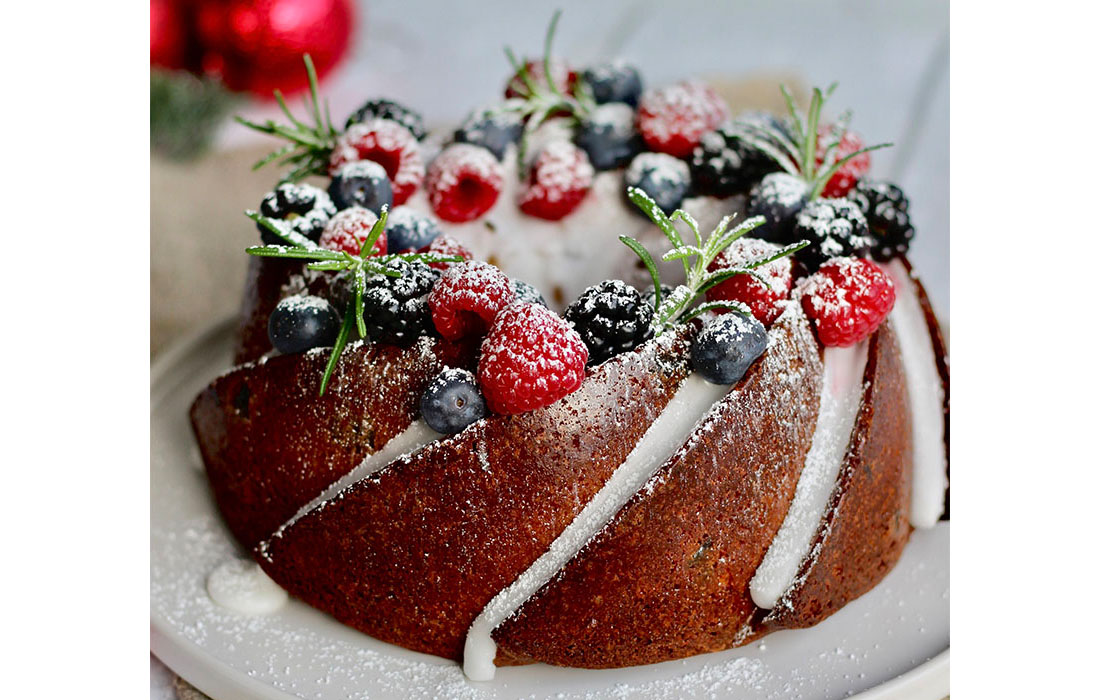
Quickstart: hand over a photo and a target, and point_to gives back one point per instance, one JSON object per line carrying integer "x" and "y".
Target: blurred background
{"x": 445, "y": 58}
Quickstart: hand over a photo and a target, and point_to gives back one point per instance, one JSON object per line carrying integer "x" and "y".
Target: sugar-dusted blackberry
{"x": 666, "y": 179}
{"x": 724, "y": 164}
{"x": 835, "y": 228}
{"x": 608, "y": 136}
{"x": 614, "y": 82}
{"x": 649, "y": 296}
{"x": 362, "y": 183}
{"x": 491, "y": 129}
{"x": 778, "y": 197}
{"x": 611, "y": 318}
{"x": 395, "y": 309}
{"x": 304, "y": 209}
{"x": 527, "y": 293}
{"x": 394, "y": 111}
{"x": 886, "y": 209}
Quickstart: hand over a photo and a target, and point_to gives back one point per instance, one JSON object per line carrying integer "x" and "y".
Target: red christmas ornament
{"x": 257, "y": 45}
{"x": 168, "y": 34}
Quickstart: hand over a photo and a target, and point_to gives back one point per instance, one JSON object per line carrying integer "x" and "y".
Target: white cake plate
{"x": 891, "y": 643}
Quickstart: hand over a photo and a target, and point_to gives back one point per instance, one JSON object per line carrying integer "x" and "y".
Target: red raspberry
{"x": 531, "y": 358}
{"x": 445, "y": 245}
{"x": 467, "y": 298}
{"x": 347, "y": 230}
{"x": 464, "y": 182}
{"x": 673, "y": 119}
{"x": 560, "y": 178}
{"x": 390, "y": 145}
{"x": 762, "y": 299}
{"x": 850, "y": 173}
{"x": 847, "y": 299}
{"x": 564, "y": 78}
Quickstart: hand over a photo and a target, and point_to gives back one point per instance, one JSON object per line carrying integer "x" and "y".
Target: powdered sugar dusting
{"x": 661, "y": 168}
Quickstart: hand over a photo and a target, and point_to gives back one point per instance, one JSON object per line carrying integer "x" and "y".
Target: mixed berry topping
{"x": 445, "y": 246}
{"x": 611, "y": 318}
{"x": 395, "y": 309}
{"x": 835, "y": 228}
{"x": 614, "y": 82}
{"x": 778, "y": 198}
{"x": 464, "y": 182}
{"x": 303, "y": 209}
{"x": 409, "y": 229}
{"x": 727, "y": 346}
{"x": 559, "y": 179}
{"x": 530, "y": 359}
{"x": 763, "y": 297}
{"x": 608, "y": 136}
{"x": 390, "y": 145}
{"x": 348, "y": 230}
{"x": 664, "y": 178}
{"x": 493, "y": 129}
{"x": 452, "y": 401}
{"x": 673, "y": 119}
{"x": 886, "y": 209}
{"x": 301, "y": 323}
{"x": 849, "y": 173}
{"x": 392, "y": 111}
{"x": 467, "y": 298}
{"x": 362, "y": 183}
{"x": 724, "y": 163}
{"x": 847, "y": 299}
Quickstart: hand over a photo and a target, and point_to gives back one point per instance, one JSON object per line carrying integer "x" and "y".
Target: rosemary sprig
{"x": 359, "y": 267}
{"x": 309, "y": 145}
{"x": 682, "y": 303}
{"x": 798, "y": 156}
{"x": 536, "y": 103}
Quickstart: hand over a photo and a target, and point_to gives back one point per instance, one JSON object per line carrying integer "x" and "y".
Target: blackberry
{"x": 527, "y": 293}
{"x": 395, "y": 309}
{"x": 886, "y": 209}
{"x": 835, "y": 228}
{"x": 614, "y": 82}
{"x": 300, "y": 323}
{"x": 362, "y": 183}
{"x": 727, "y": 346}
{"x": 723, "y": 164}
{"x": 492, "y": 130}
{"x": 452, "y": 401}
{"x": 304, "y": 209}
{"x": 778, "y": 197}
{"x": 664, "y": 178}
{"x": 608, "y": 136}
{"x": 611, "y": 317}
{"x": 649, "y": 296}
{"x": 394, "y": 111}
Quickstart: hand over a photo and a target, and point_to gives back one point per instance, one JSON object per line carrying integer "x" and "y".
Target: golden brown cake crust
{"x": 669, "y": 577}
{"x": 413, "y": 553}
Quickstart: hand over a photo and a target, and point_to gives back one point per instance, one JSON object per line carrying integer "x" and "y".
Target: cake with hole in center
{"x": 609, "y": 374}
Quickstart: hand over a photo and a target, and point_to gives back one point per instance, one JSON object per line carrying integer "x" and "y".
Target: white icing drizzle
{"x": 841, "y": 390}
{"x": 925, "y": 388}
{"x": 242, "y": 586}
{"x": 688, "y": 406}
{"x": 412, "y": 439}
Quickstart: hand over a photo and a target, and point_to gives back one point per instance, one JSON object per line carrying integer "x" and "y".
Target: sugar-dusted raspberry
{"x": 530, "y": 359}
{"x": 564, "y": 78}
{"x": 848, "y": 298}
{"x": 347, "y": 230}
{"x": 673, "y": 119}
{"x": 467, "y": 298}
{"x": 849, "y": 174}
{"x": 390, "y": 145}
{"x": 464, "y": 182}
{"x": 560, "y": 178}
{"x": 446, "y": 246}
{"x": 762, "y": 299}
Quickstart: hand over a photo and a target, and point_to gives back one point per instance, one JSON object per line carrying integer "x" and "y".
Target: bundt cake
{"x": 526, "y": 391}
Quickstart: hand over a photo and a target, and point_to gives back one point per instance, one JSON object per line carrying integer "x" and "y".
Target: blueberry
{"x": 407, "y": 228}
{"x": 527, "y": 293}
{"x": 304, "y": 210}
{"x": 778, "y": 198}
{"x": 300, "y": 323}
{"x": 727, "y": 346}
{"x": 361, "y": 184}
{"x": 663, "y": 177}
{"x": 614, "y": 82}
{"x": 490, "y": 129}
{"x": 609, "y": 136}
{"x": 452, "y": 401}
